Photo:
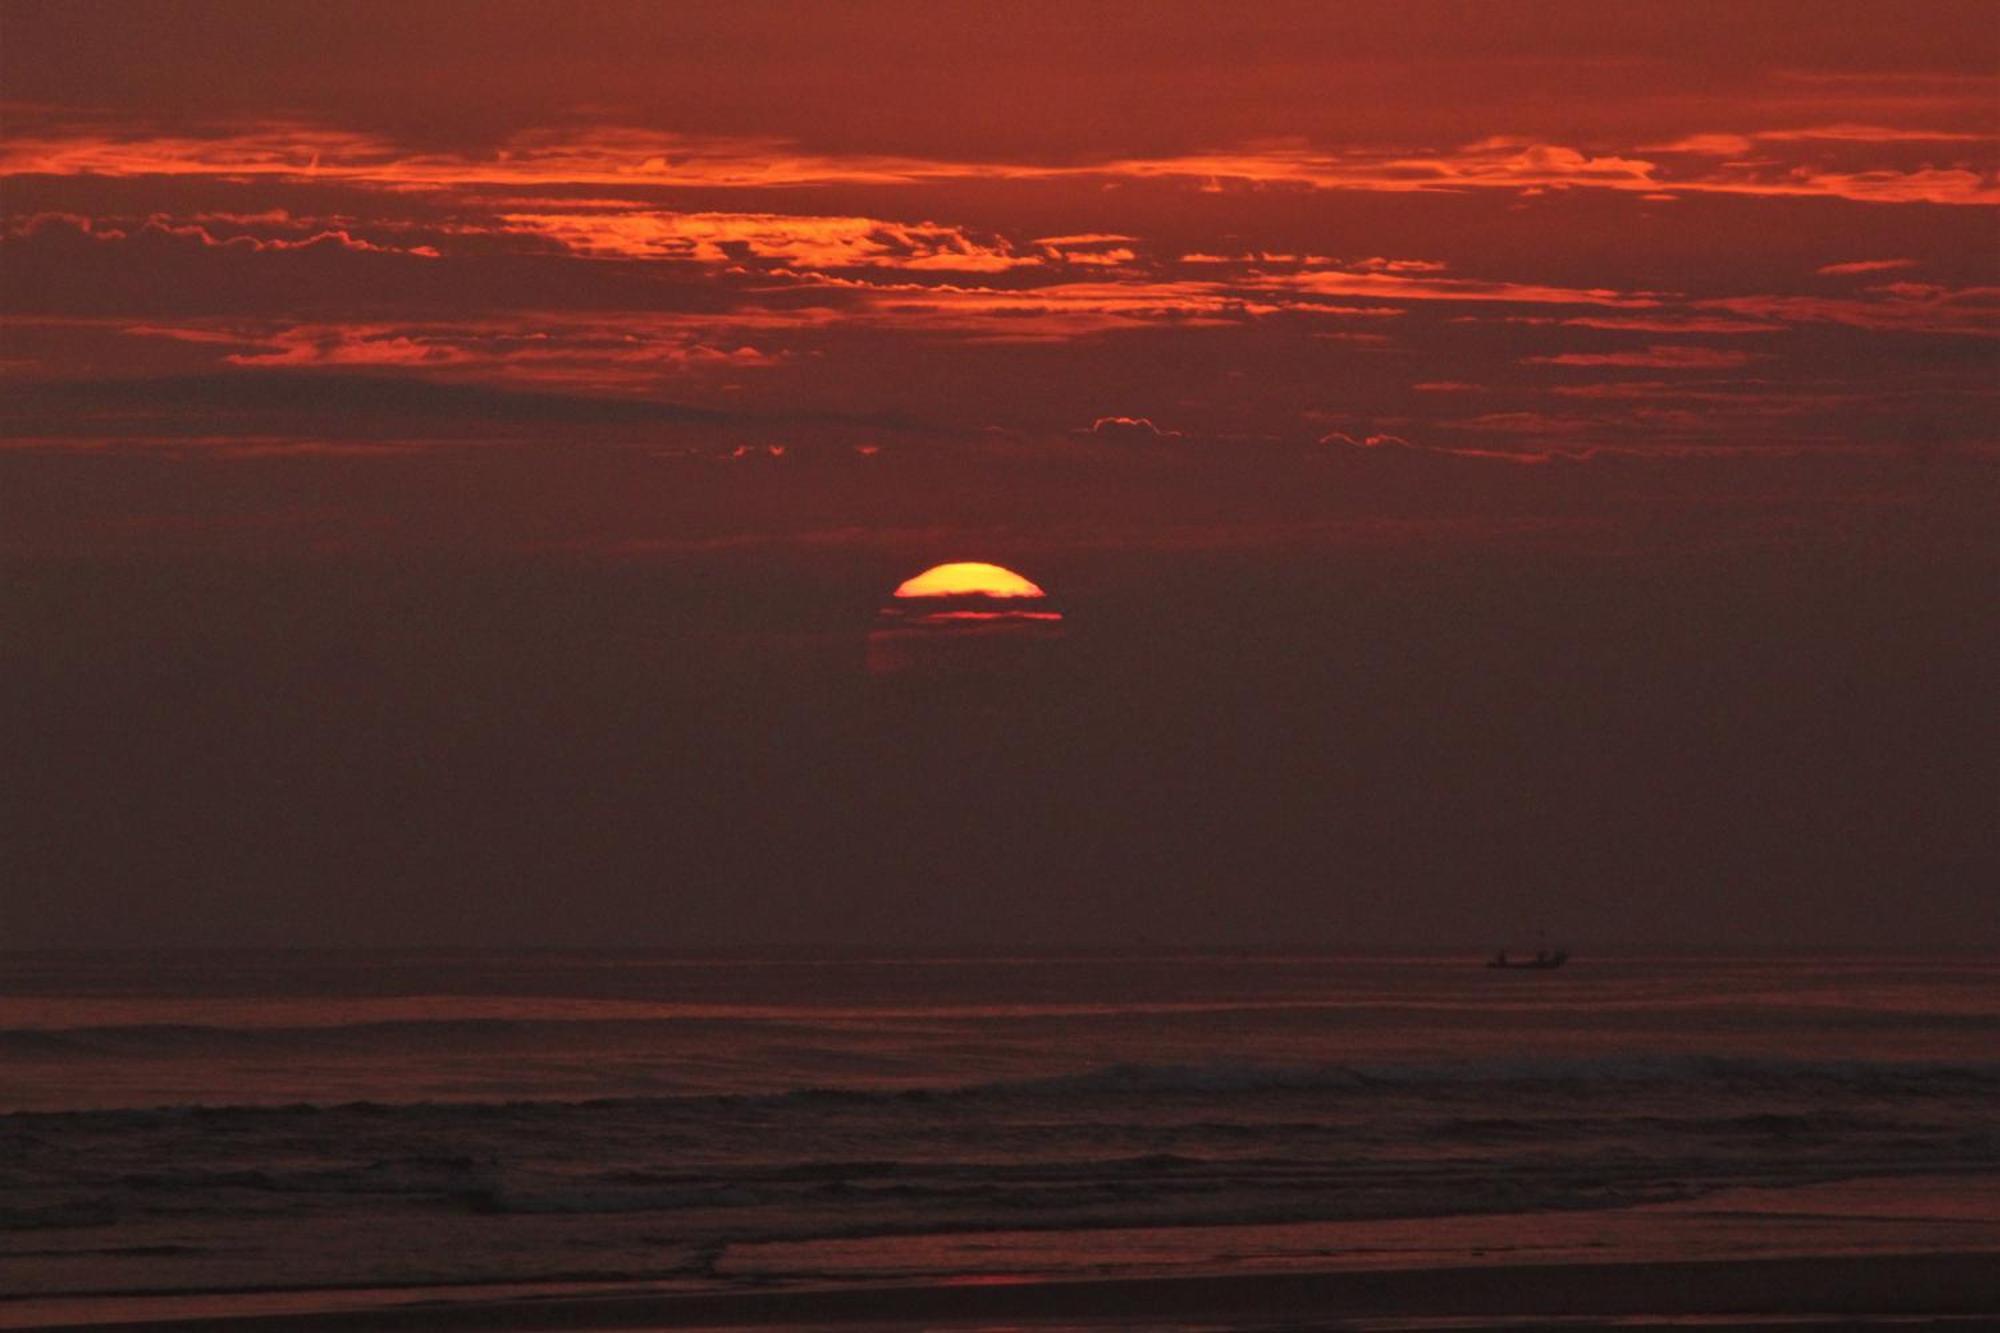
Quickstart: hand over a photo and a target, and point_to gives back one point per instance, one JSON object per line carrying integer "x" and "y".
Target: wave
{"x": 979, "y": 1186}
{"x": 649, "y": 1029}
{"x": 1706, "y": 1070}
{"x": 155, "y": 1040}
{"x": 1470, "y": 1078}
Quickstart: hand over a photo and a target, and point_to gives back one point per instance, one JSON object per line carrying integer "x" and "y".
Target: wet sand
{"x": 1937, "y": 1290}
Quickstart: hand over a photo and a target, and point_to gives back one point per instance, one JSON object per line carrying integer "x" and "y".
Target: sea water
{"x": 313, "y": 1122}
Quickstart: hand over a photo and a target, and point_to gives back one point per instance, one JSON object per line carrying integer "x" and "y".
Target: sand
{"x": 1940, "y": 1290}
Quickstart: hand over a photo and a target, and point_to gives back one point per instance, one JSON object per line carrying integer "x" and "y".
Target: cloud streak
{"x": 631, "y": 157}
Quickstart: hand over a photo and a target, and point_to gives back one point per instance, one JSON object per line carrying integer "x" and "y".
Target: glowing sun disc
{"x": 968, "y": 578}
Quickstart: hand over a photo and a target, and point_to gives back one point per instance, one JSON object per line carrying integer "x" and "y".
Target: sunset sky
{"x": 454, "y": 454}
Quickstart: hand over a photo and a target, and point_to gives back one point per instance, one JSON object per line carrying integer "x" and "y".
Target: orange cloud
{"x": 1707, "y": 145}
{"x": 1400, "y": 286}
{"x": 159, "y": 226}
{"x": 1902, "y": 307}
{"x": 1509, "y": 163}
{"x": 1130, "y": 428}
{"x": 1929, "y": 185}
{"x": 1088, "y": 238}
{"x": 634, "y": 157}
{"x": 1053, "y": 312}
{"x": 1529, "y": 423}
{"x": 1659, "y": 355}
{"x": 1852, "y": 133}
{"x": 1669, "y": 324}
{"x": 1865, "y": 266}
{"x": 1102, "y": 249}
{"x": 575, "y": 352}
{"x": 788, "y": 240}
{"x": 1715, "y": 396}
{"x": 1396, "y": 444}
{"x": 1365, "y": 442}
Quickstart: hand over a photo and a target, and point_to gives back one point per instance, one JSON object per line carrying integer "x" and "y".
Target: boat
{"x": 1543, "y": 961}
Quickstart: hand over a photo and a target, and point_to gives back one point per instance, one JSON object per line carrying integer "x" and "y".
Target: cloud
{"x": 1669, "y": 324}
{"x": 1252, "y": 257}
{"x": 1366, "y": 441}
{"x": 1130, "y": 428}
{"x": 625, "y": 263}
{"x": 1898, "y": 307}
{"x": 1498, "y": 162}
{"x": 1526, "y": 166}
{"x": 1865, "y": 266}
{"x": 1402, "y": 286}
{"x": 1529, "y": 423}
{"x": 1084, "y": 239}
{"x": 632, "y": 157}
{"x": 1707, "y": 145}
{"x": 322, "y": 402}
{"x": 1656, "y": 356}
{"x": 1055, "y": 312}
{"x": 160, "y": 228}
{"x": 1378, "y": 264}
{"x": 1092, "y": 249}
{"x": 1738, "y": 145}
{"x": 579, "y": 352}
{"x": 1852, "y": 133}
{"x": 773, "y": 239}
{"x": 1928, "y": 185}
{"x": 1395, "y": 446}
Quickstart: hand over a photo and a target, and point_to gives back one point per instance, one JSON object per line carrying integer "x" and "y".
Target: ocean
{"x": 190, "y": 1131}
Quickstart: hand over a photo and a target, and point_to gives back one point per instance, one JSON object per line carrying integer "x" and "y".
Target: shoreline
{"x": 1841, "y": 1288}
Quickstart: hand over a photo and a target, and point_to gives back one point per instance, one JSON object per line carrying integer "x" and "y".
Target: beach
{"x": 1941, "y": 1290}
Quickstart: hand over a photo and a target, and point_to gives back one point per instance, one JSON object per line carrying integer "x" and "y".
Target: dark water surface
{"x": 181, "y": 1122}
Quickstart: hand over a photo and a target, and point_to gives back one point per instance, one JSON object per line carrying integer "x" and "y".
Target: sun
{"x": 965, "y": 619}
{"x": 968, "y": 578}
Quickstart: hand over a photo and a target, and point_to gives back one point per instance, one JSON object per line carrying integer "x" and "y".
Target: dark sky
{"x": 1494, "y": 463}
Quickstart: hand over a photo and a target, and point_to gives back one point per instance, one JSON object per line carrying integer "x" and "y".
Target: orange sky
{"x": 1555, "y": 427}
{"x": 1673, "y": 226}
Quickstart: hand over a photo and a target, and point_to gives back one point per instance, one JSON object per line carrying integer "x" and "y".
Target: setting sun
{"x": 968, "y": 578}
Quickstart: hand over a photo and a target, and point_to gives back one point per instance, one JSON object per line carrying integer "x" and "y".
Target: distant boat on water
{"x": 1543, "y": 961}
